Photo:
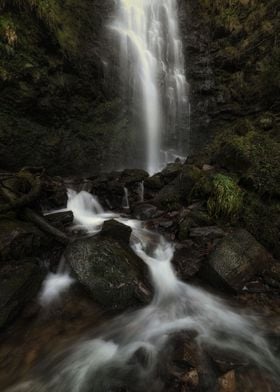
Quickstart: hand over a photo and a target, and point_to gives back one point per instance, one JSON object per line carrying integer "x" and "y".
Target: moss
{"x": 226, "y": 198}
{"x": 254, "y": 157}
{"x": 262, "y": 219}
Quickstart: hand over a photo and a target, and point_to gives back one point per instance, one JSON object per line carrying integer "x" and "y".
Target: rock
{"x": 187, "y": 261}
{"x": 227, "y": 382}
{"x": 168, "y": 198}
{"x": 207, "y": 233}
{"x": 207, "y": 168}
{"x": 272, "y": 275}
{"x": 195, "y": 216}
{"x": 145, "y": 211}
{"x": 170, "y": 172}
{"x": 190, "y": 379}
{"x": 130, "y": 176}
{"x": 18, "y": 285}
{"x": 60, "y": 220}
{"x": 117, "y": 231}
{"x": 187, "y": 179}
{"x": 154, "y": 182}
{"x": 19, "y": 239}
{"x": 109, "y": 270}
{"x": 232, "y": 158}
{"x": 236, "y": 259}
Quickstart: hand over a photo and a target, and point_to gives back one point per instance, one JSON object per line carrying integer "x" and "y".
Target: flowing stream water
{"x": 128, "y": 349}
{"x": 152, "y": 64}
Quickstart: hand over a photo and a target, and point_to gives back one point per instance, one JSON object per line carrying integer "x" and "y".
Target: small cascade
{"x": 55, "y": 284}
{"x": 125, "y": 202}
{"x": 87, "y": 211}
{"x": 141, "y": 191}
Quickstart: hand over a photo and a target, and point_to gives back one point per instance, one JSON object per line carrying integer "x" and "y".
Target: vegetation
{"x": 226, "y": 198}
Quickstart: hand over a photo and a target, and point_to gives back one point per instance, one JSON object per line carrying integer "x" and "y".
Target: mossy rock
{"x": 262, "y": 219}
{"x": 113, "y": 275}
{"x": 254, "y": 157}
{"x": 236, "y": 260}
{"x": 154, "y": 182}
{"x": 188, "y": 177}
{"x": 168, "y": 198}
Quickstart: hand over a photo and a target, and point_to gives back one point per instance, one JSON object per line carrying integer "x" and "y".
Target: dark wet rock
{"x": 114, "y": 276}
{"x": 19, "y": 239}
{"x": 206, "y": 233}
{"x": 19, "y": 284}
{"x": 166, "y": 224}
{"x": 130, "y": 176}
{"x": 170, "y": 172}
{"x": 154, "y": 182}
{"x": 208, "y": 168}
{"x": 272, "y": 275}
{"x": 187, "y": 179}
{"x": 117, "y": 231}
{"x": 187, "y": 260}
{"x": 232, "y": 158}
{"x": 227, "y": 382}
{"x": 145, "y": 211}
{"x": 168, "y": 198}
{"x": 226, "y": 361}
{"x": 236, "y": 259}
{"x": 60, "y": 220}
{"x": 195, "y": 216}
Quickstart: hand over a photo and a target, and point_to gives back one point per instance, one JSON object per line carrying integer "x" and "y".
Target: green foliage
{"x": 226, "y": 198}
{"x": 259, "y": 150}
{"x": 262, "y": 219}
{"x": 69, "y": 21}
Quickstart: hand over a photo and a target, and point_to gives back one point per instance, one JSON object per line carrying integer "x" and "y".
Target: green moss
{"x": 254, "y": 156}
{"x": 262, "y": 219}
{"x": 226, "y": 198}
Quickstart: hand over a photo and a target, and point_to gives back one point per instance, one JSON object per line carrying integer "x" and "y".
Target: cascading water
{"x": 126, "y": 352}
{"x": 153, "y": 65}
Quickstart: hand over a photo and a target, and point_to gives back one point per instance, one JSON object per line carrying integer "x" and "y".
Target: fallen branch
{"x": 42, "y": 224}
{"x": 13, "y": 202}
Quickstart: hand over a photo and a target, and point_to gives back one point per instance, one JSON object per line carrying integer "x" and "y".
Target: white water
{"x": 125, "y": 202}
{"x": 55, "y": 285}
{"x": 152, "y": 64}
{"x": 141, "y": 191}
{"x": 88, "y": 213}
{"x": 113, "y": 357}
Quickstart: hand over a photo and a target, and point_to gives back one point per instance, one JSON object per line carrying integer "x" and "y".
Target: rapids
{"x": 129, "y": 350}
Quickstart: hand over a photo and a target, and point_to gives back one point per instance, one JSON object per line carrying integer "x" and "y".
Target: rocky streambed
{"x": 191, "y": 205}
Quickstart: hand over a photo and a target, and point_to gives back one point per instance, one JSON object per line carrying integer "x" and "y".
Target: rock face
{"x": 237, "y": 258}
{"x": 19, "y": 284}
{"x": 109, "y": 270}
{"x": 19, "y": 239}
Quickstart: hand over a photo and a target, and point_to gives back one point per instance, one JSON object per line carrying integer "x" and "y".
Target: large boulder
{"x": 236, "y": 260}
{"x": 111, "y": 272}
{"x": 19, "y": 284}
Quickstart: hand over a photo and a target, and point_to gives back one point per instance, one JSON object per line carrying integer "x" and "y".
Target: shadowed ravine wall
{"x": 61, "y": 105}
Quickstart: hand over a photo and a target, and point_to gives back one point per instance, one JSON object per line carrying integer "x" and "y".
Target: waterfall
{"x": 125, "y": 202}
{"x": 153, "y": 69}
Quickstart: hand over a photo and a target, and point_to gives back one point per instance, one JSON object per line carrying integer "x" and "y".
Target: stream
{"x": 128, "y": 351}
